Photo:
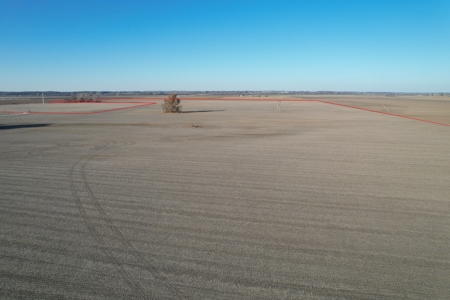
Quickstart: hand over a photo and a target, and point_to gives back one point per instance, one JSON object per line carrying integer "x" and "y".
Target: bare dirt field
{"x": 433, "y": 108}
{"x": 230, "y": 200}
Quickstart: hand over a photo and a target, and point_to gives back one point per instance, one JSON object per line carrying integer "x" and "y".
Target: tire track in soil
{"x": 38, "y": 151}
{"x": 80, "y": 168}
{"x": 118, "y": 264}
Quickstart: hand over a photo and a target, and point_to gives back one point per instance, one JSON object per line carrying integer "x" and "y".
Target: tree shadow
{"x": 200, "y": 111}
{"x": 19, "y": 126}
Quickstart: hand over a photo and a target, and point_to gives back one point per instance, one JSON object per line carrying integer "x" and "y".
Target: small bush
{"x": 171, "y": 104}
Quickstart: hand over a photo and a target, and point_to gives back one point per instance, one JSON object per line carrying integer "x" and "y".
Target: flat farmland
{"x": 433, "y": 108}
{"x": 229, "y": 200}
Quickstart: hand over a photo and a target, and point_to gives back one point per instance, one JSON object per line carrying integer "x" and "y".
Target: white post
{"x": 43, "y": 102}
{"x": 278, "y": 105}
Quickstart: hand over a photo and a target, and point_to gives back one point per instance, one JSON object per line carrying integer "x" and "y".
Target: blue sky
{"x": 341, "y": 45}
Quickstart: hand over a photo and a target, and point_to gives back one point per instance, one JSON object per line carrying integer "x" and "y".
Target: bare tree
{"x": 171, "y": 104}
{"x": 86, "y": 97}
{"x": 82, "y": 97}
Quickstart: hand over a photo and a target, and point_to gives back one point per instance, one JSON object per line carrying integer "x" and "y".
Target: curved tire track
{"x": 79, "y": 168}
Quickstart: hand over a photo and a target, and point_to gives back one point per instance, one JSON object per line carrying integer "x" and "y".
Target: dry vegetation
{"x": 171, "y": 104}
{"x": 86, "y": 97}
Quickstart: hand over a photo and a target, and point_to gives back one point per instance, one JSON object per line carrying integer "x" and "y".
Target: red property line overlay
{"x": 383, "y": 113}
{"x": 212, "y": 98}
{"x": 324, "y": 102}
{"x": 80, "y": 113}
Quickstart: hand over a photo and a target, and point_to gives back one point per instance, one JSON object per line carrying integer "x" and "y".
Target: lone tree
{"x": 171, "y": 104}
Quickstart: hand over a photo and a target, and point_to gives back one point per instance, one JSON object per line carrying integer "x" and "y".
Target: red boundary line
{"x": 76, "y": 113}
{"x": 79, "y": 102}
{"x": 324, "y": 102}
{"x": 216, "y": 99}
{"x": 383, "y": 113}
{"x": 262, "y": 99}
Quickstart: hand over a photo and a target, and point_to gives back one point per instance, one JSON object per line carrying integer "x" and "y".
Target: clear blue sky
{"x": 342, "y": 45}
